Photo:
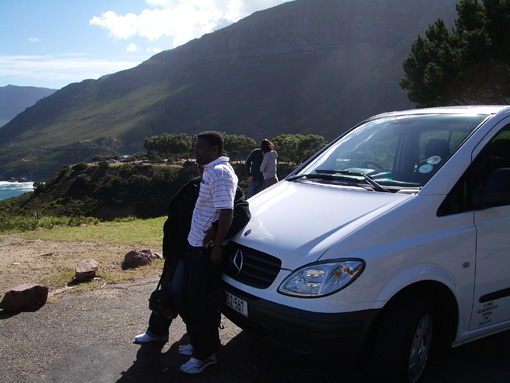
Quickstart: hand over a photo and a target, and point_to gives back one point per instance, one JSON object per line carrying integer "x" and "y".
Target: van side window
{"x": 459, "y": 199}
{"x": 495, "y": 155}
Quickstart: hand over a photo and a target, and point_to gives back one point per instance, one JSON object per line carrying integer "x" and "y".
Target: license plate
{"x": 237, "y": 304}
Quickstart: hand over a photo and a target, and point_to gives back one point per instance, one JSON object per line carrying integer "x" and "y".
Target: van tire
{"x": 402, "y": 343}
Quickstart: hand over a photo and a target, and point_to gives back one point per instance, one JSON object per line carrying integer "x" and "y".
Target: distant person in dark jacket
{"x": 255, "y": 177}
{"x": 175, "y": 233}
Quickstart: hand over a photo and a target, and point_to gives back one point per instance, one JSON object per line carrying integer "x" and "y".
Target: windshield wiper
{"x": 314, "y": 175}
{"x": 333, "y": 175}
{"x": 375, "y": 186}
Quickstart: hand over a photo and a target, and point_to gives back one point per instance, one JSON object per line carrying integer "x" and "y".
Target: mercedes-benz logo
{"x": 236, "y": 263}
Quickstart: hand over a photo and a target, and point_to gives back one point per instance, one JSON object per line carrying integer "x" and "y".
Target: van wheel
{"x": 402, "y": 344}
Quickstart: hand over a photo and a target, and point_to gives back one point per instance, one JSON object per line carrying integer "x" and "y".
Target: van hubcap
{"x": 420, "y": 348}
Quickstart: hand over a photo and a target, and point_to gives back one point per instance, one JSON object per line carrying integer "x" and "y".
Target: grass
{"x": 108, "y": 242}
{"x": 21, "y": 224}
{"x": 131, "y": 232}
{"x": 65, "y": 278}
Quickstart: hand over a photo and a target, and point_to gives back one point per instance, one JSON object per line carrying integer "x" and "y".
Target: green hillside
{"x": 104, "y": 191}
{"x": 108, "y": 191}
{"x": 15, "y": 99}
{"x": 307, "y": 66}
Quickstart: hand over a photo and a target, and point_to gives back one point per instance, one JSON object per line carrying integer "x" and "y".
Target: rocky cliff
{"x": 307, "y": 66}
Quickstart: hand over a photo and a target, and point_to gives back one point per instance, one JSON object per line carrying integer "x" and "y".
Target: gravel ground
{"x": 28, "y": 261}
{"x": 88, "y": 337}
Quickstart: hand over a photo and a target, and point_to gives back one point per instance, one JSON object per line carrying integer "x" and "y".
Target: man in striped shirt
{"x": 203, "y": 257}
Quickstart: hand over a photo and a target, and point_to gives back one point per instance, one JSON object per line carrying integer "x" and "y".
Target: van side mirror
{"x": 497, "y": 191}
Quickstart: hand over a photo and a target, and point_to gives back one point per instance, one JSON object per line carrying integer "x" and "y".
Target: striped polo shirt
{"x": 217, "y": 191}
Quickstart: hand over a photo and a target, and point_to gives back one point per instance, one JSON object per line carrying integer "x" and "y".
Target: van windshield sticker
{"x": 434, "y": 160}
{"x": 424, "y": 169}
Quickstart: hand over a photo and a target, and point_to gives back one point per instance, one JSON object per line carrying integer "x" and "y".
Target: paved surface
{"x": 88, "y": 338}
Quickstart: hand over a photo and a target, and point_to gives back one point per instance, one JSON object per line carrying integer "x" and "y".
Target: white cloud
{"x": 132, "y": 48}
{"x": 33, "y": 39}
{"x": 239, "y": 8}
{"x": 58, "y": 70}
{"x": 154, "y": 50}
{"x": 181, "y": 20}
{"x": 182, "y": 23}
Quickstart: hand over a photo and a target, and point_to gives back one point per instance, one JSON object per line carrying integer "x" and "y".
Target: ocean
{"x": 14, "y": 189}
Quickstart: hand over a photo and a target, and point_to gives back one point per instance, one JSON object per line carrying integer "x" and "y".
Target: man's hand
{"x": 210, "y": 236}
{"x": 224, "y": 223}
{"x": 250, "y": 179}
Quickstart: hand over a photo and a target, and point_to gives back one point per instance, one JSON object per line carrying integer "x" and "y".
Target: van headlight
{"x": 322, "y": 278}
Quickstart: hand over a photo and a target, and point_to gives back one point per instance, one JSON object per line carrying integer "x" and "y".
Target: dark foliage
{"x": 469, "y": 65}
{"x": 104, "y": 191}
{"x": 107, "y": 192}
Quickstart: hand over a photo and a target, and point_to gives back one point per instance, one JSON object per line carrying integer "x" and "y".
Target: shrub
{"x": 80, "y": 167}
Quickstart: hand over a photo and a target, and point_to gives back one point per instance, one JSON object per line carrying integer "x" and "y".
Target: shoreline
{"x": 10, "y": 189}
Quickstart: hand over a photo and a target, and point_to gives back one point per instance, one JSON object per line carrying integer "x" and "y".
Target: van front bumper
{"x": 299, "y": 330}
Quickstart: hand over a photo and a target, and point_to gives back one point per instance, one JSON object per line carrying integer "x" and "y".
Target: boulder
{"x": 137, "y": 258}
{"x": 86, "y": 270}
{"x": 24, "y": 297}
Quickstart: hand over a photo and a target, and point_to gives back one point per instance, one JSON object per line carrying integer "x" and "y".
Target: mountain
{"x": 307, "y": 66}
{"x": 15, "y": 99}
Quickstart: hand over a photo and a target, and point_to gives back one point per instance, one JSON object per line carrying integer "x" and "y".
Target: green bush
{"x": 22, "y": 224}
{"x": 80, "y": 167}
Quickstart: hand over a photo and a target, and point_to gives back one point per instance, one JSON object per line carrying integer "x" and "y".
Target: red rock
{"x": 86, "y": 270}
{"x": 24, "y": 297}
{"x": 136, "y": 258}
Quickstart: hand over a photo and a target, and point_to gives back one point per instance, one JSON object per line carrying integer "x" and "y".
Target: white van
{"x": 394, "y": 237}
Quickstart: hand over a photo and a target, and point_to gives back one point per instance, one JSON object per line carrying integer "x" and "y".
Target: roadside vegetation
{"x": 102, "y": 210}
{"x": 22, "y": 224}
{"x": 87, "y": 193}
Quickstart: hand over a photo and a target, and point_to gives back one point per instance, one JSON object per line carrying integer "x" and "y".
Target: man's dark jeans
{"x": 257, "y": 186}
{"x": 201, "y": 317}
{"x": 190, "y": 287}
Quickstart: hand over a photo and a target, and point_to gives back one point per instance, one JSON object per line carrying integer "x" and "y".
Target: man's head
{"x": 208, "y": 147}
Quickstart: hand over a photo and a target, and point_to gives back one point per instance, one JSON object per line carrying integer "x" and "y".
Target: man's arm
{"x": 241, "y": 217}
{"x": 224, "y": 223}
{"x": 248, "y": 164}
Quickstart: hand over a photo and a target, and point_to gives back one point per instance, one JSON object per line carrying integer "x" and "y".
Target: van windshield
{"x": 394, "y": 152}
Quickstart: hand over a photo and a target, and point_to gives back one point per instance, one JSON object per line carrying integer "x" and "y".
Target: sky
{"x": 52, "y": 43}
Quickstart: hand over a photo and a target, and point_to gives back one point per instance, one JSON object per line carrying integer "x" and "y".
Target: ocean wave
{"x": 16, "y": 185}
{"x": 14, "y": 189}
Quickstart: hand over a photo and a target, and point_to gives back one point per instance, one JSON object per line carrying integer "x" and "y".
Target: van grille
{"x": 251, "y": 267}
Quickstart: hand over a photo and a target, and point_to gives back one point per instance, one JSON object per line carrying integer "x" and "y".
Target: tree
{"x": 178, "y": 146}
{"x": 287, "y": 147}
{"x": 238, "y": 147}
{"x": 294, "y": 148}
{"x": 297, "y": 148}
{"x": 309, "y": 145}
{"x": 470, "y": 64}
{"x": 172, "y": 146}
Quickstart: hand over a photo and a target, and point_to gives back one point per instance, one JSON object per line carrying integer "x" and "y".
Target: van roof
{"x": 466, "y": 109}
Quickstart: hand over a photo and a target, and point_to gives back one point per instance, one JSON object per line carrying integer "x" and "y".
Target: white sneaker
{"x": 186, "y": 349}
{"x": 145, "y": 338}
{"x": 196, "y": 366}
